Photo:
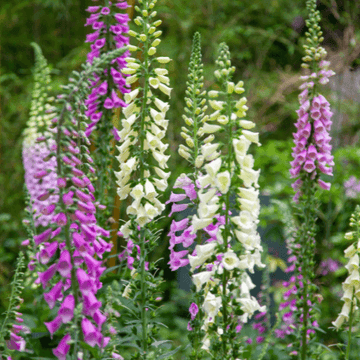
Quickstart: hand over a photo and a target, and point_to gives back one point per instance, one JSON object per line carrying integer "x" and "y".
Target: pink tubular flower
{"x": 63, "y": 348}
{"x": 194, "y": 309}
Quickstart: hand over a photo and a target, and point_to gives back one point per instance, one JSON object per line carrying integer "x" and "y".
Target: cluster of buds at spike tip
{"x": 220, "y": 271}
{"x": 351, "y": 285}
{"x": 10, "y": 332}
{"x": 312, "y": 151}
{"x": 110, "y": 31}
{"x": 40, "y": 171}
{"x": 141, "y": 150}
{"x": 73, "y": 245}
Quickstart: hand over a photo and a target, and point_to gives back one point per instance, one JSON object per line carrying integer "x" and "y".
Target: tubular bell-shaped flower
{"x": 39, "y": 142}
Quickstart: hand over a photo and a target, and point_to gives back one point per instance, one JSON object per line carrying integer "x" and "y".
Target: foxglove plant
{"x": 197, "y": 151}
{"x": 142, "y": 162}
{"x": 221, "y": 277}
{"x": 312, "y": 156}
{"x": 71, "y": 245}
{"x": 35, "y": 148}
{"x": 351, "y": 285}
{"x": 110, "y": 27}
{"x": 10, "y": 336}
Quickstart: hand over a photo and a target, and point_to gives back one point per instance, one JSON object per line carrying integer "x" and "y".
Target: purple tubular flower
{"x": 63, "y": 348}
{"x": 54, "y": 325}
{"x": 91, "y": 334}
{"x": 54, "y": 294}
{"x": 47, "y": 253}
{"x": 64, "y": 264}
{"x": 47, "y": 275}
{"x": 44, "y": 236}
{"x": 66, "y": 311}
{"x": 193, "y": 310}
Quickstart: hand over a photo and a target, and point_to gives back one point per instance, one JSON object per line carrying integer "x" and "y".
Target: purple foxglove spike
{"x": 63, "y": 348}
{"x": 85, "y": 282}
{"x": 47, "y": 253}
{"x": 54, "y": 294}
{"x": 64, "y": 264}
{"x": 91, "y": 304}
{"x": 66, "y": 311}
{"x": 44, "y": 236}
{"x": 99, "y": 318}
{"x": 54, "y": 325}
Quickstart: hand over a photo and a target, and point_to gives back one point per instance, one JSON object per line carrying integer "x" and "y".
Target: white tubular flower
{"x": 249, "y": 194}
{"x": 161, "y": 185}
{"x": 154, "y": 82}
{"x": 165, "y": 89}
{"x": 223, "y": 181}
{"x": 251, "y": 136}
{"x": 151, "y": 211}
{"x": 129, "y": 110}
{"x": 160, "y": 71}
{"x": 250, "y": 177}
{"x": 213, "y": 167}
{"x": 230, "y": 261}
{"x": 161, "y": 105}
{"x": 201, "y": 278}
{"x": 161, "y": 159}
{"x": 249, "y": 306}
{"x": 208, "y": 149}
{"x": 210, "y": 129}
{"x": 137, "y": 192}
{"x": 129, "y": 97}
{"x": 150, "y": 192}
{"x": 199, "y": 224}
{"x": 246, "y": 124}
{"x": 244, "y": 221}
{"x": 216, "y": 105}
{"x": 125, "y": 229}
{"x": 241, "y": 146}
{"x": 163, "y": 60}
{"x": 212, "y": 305}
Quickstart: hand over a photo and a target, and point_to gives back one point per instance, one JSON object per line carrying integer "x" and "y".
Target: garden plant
{"x": 110, "y": 216}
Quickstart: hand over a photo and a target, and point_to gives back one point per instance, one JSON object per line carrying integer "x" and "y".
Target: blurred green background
{"x": 265, "y": 38}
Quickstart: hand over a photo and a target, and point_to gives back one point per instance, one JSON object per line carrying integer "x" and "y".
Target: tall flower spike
{"x": 230, "y": 174}
{"x": 74, "y": 229}
{"x": 312, "y": 156}
{"x": 351, "y": 284}
{"x": 38, "y": 141}
{"x": 110, "y": 30}
{"x": 143, "y": 160}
